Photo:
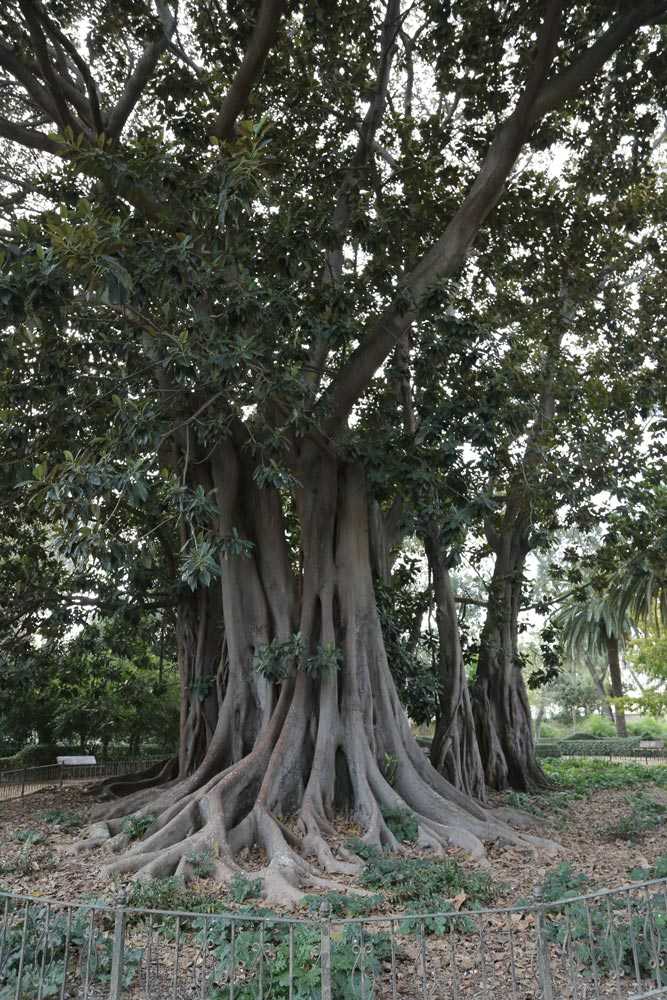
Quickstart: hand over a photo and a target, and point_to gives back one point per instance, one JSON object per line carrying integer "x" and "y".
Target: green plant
{"x": 390, "y": 768}
{"x": 136, "y": 827}
{"x": 612, "y": 933}
{"x": 645, "y": 814}
{"x": 356, "y": 960}
{"x": 202, "y": 863}
{"x": 656, "y": 870}
{"x": 63, "y": 818}
{"x": 242, "y": 888}
{"x": 29, "y": 837}
{"x": 406, "y": 879}
{"x": 41, "y": 946}
{"x": 402, "y": 823}
{"x": 582, "y": 777}
{"x": 343, "y": 904}
{"x": 170, "y": 893}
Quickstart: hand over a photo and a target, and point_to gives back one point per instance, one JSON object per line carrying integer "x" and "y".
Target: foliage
{"x": 29, "y": 837}
{"x": 64, "y": 819}
{"x": 41, "y": 952}
{"x": 242, "y": 888}
{"x": 137, "y": 826}
{"x": 645, "y": 814}
{"x": 356, "y": 960}
{"x": 341, "y": 904}
{"x": 610, "y": 932}
{"x": 170, "y": 893}
{"x": 402, "y": 823}
{"x": 656, "y": 870}
{"x": 583, "y": 777}
{"x": 202, "y": 863}
{"x": 407, "y": 879}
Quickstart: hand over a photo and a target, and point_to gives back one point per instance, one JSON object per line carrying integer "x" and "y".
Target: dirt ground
{"x": 48, "y": 868}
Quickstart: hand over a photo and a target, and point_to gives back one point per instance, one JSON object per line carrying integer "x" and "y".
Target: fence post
{"x": 62, "y": 774}
{"x": 23, "y": 781}
{"x": 117, "y": 955}
{"x": 325, "y": 952}
{"x": 543, "y": 960}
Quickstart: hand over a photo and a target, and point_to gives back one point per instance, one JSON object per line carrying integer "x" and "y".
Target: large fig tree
{"x": 241, "y": 216}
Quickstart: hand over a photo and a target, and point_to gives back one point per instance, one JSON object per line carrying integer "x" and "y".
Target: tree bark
{"x": 329, "y": 735}
{"x": 454, "y": 752}
{"x": 500, "y": 700}
{"x": 616, "y": 681}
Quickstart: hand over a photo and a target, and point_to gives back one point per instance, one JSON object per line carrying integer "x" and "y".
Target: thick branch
{"x": 449, "y": 252}
{"x": 57, "y": 36}
{"x": 141, "y": 74}
{"x": 260, "y": 43}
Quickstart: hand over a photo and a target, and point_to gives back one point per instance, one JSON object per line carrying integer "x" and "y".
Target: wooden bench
{"x": 74, "y": 761}
{"x": 651, "y": 744}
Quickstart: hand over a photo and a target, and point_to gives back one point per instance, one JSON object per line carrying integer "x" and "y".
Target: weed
{"x": 405, "y": 879}
{"x": 402, "y": 823}
{"x": 29, "y": 837}
{"x": 136, "y": 827}
{"x": 202, "y": 863}
{"x": 645, "y": 814}
{"x": 343, "y": 904}
{"x": 352, "y": 978}
{"x": 170, "y": 893}
{"x": 657, "y": 870}
{"x": 242, "y": 888}
{"x": 563, "y": 883}
{"x": 63, "y": 819}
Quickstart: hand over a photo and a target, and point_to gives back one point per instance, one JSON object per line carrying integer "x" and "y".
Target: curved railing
{"x": 611, "y": 943}
{"x": 21, "y": 781}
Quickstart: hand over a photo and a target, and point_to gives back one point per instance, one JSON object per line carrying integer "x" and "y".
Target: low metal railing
{"x": 20, "y": 782}
{"x": 610, "y": 944}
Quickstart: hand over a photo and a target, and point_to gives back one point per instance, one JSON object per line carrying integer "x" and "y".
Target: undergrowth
{"x": 645, "y": 814}
{"x": 608, "y": 933}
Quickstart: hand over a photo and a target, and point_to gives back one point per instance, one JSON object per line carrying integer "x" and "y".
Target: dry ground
{"x": 47, "y": 868}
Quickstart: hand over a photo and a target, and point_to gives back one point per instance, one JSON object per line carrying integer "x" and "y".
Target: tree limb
{"x": 447, "y": 255}
{"x": 142, "y": 73}
{"x": 261, "y": 40}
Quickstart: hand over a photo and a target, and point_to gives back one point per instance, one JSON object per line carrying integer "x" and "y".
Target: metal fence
{"x": 16, "y": 784}
{"x": 609, "y": 944}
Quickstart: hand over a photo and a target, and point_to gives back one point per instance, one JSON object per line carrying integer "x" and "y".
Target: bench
{"x": 74, "y": 761}
{"x": 651, "y": 745}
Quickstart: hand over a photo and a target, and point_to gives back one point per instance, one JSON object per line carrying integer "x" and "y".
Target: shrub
{"x": 657, "y": 870}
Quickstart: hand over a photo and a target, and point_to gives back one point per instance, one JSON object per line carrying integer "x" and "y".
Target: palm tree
{"x": 593, "y": 626}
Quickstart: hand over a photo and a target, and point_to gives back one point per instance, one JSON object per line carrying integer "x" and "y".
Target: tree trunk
{"x": 616, "y": 681}
{"x": 454, "y": 752}
{"x": 500, "y": 700}
{"x": 599, "y": 687}
{"x": 329, "y": 734}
